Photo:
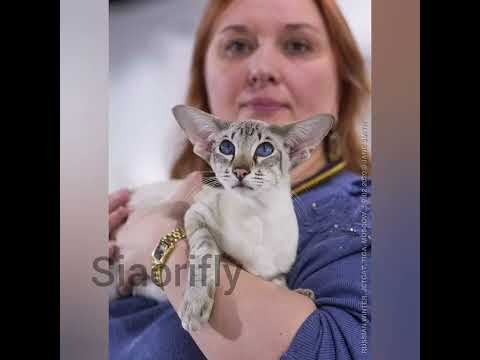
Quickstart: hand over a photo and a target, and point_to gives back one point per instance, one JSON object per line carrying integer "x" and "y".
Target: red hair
{"x": 352, "y": 75}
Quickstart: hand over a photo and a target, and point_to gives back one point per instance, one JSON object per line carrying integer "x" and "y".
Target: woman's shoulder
{"x": 346, "y": 188}
{"x": 335, "y": 222}
{"x": 339, "y": 206}
{"x": 347, "y": 184}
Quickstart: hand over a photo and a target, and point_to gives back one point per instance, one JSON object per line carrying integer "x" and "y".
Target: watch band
{"x": 162, "y": 252}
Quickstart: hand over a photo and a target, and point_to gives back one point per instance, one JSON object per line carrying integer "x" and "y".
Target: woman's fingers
{"x": 113, "y": 251}
{"x": 118, "y": 198}
{"x": 116, "y": 218}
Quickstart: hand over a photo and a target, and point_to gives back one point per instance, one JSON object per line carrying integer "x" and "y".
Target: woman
{"x": 279, "y": 61}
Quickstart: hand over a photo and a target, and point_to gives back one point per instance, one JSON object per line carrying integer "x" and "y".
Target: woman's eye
{"x": 264, "y": 149}
{"x": 297, "y": 47}
{"x": 238, "y": 48}
{"x": 226, "y": 147}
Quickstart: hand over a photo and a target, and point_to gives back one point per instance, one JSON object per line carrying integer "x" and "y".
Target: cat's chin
{"x": 245, "y": 193}
{"x": 244, "y": 190}
{"x": 241, "y": 187}
{"x": 249, "y": 191}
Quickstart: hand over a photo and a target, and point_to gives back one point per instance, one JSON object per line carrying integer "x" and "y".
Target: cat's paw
{"x": 196, "y": 309}
{"x": 280, "y": 280}
{"x": 307, "y": 292}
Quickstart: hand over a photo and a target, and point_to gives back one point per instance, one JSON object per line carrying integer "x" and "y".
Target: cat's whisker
{"x": 196, "y": 189}
{"x": 208, "y": 177}
{"x": 211, "y": 182}
{"x": 206, "y": 181}
{"x": 212, "y": 176}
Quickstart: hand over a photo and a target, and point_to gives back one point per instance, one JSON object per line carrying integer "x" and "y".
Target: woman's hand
{"x": 143, "y": 229}
{"x": 117, "y": 214}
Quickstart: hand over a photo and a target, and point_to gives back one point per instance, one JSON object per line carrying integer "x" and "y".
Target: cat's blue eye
{"x": 226, "y": 147}
{"x": 264, "y": 149}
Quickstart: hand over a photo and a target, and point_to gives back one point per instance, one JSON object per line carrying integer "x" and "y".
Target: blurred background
{"x": 150, "y": 48}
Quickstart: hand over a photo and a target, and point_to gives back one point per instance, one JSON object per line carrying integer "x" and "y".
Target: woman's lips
{"x": 263, "y": 105}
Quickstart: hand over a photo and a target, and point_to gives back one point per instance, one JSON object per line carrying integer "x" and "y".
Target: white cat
{"x": 251, "y": 217}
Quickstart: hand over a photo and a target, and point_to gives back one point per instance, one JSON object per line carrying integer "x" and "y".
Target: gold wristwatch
{"x": 162, "y": 252}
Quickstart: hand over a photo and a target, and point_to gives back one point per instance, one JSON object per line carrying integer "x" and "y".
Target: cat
{"x": 250, "y": 216}
{"x": 252, "y": 219}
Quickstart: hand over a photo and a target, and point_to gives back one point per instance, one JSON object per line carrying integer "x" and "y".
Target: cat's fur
{"x": 254, "y": 224}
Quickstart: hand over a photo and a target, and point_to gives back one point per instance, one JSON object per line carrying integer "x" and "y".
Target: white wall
{"x": 150, "y": 49}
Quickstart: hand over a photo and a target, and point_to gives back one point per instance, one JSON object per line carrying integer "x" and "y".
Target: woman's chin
{"x": 279, "y": 117}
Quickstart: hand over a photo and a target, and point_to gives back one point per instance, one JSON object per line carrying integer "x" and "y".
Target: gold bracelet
{"x": 162, "y": 252}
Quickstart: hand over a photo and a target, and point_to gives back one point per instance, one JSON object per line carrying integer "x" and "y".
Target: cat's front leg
{"x": 200, "y": 290}
{"x": 280, "y": 280}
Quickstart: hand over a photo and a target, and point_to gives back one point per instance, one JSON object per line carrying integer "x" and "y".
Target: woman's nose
{"x": 261, "y": 78}
{"x": 263, "y": 69}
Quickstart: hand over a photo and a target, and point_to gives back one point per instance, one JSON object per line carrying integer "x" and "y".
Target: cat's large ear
{"x": 302, "y": 137}
{"x": 199, "y": 127}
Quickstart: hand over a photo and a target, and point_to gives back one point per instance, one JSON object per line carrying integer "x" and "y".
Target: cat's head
{"x": 251, "y": 155}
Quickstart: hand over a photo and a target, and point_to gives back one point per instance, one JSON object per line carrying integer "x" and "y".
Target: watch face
{"x": 160, "y": 250}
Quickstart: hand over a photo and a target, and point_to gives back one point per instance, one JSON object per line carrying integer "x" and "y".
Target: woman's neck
{"x": 309, "y": 167}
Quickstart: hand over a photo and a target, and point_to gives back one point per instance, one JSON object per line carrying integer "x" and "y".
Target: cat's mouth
{"x": 242, "y": 186}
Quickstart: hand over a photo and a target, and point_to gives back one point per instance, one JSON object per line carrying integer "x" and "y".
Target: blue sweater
{"x": 333, "y": 260}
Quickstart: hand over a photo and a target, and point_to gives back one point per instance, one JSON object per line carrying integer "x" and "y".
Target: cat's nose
{"x": 241, "y": 173}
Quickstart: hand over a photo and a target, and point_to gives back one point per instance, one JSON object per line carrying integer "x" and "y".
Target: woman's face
{"x": 271, "y": 60}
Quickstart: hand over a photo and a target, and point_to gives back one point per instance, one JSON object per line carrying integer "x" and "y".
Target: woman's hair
{"x": 352, "y": 75}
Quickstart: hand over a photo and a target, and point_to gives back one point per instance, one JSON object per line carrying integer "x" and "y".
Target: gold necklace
{"x": 322, "y": 177}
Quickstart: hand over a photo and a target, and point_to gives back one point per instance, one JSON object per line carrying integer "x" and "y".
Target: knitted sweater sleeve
{"x": 334, "y": 262}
